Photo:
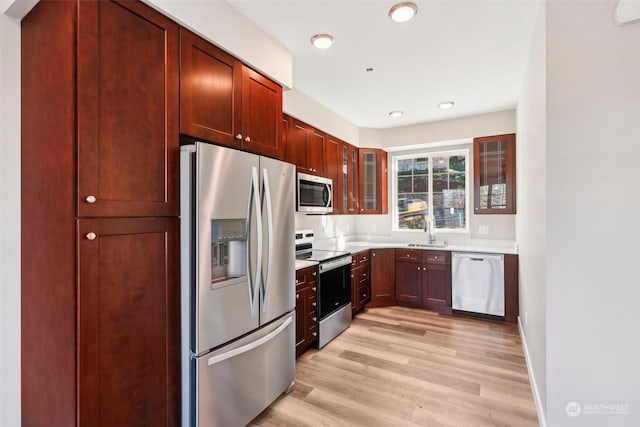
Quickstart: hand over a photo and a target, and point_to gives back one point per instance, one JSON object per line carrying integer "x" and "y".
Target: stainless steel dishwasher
{"x": 477, "y": 283}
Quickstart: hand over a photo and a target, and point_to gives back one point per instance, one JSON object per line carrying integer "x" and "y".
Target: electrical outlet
{"x": 483, "y": 229}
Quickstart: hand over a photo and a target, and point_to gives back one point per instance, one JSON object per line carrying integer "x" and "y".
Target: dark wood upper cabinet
{"x": 333, "y": 150}
{"x": 226, "y": 102}
{"x": 127, "y": 106}
{"x": 372, "y": 174}
{"x": 129, "y": 322}
{"x": 494, "y": 174}
{"x": 261, "y": 115}
{"x": 350, "y": 178}
{"x": 210, "y": 91}
{"x": 306, "y": 147}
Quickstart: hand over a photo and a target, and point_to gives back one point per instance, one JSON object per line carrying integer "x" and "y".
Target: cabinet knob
{"x": 313, "y": 289}
{"x": 315, "y": 334}
{"x": 364, "y": 274}
{"x": 373, "y": 254}
{"x": 313, "y": 304}
{"x": 364, "y": 258}
{"x": 247, "y": 139}
{"x": 296, "y": 281}
{"x": 314, "y": 319}
{"x": 364, "y": 295}
{"x": 297, "y": 296}
{"x": 91, "y": 236}
{"x": 239, "y": 136}
{"x": 314, "y": 273}
{"x": 408, "y": 255}
{"x": 418, "y": 268}
{"x": 90, "y": 199}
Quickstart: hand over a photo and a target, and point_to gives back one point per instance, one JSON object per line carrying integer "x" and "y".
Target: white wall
{"x": 448, "y": 130}
{"x": 593, "y": 209}
{"x": 300, "y": 106}
{"x": 9, "y": 221}
{"x": 531, "y": 227}
{"x": 224, "y": 26}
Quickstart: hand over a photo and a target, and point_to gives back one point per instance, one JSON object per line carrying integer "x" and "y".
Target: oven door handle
{"x": 337, "y": 263}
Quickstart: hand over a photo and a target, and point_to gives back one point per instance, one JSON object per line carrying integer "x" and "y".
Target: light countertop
{"x": 301, "y": 263}
{"x": 477, "y": 246}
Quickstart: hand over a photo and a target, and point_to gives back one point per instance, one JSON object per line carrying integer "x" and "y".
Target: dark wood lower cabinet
{"x": 360, "y": 281}
{"x": 408, "y": 283}
{"x": 423, "y": 279}
{"x": 383, "y": 273}
{"x": 306, "y": 304}
{"x": 128, "y": 322}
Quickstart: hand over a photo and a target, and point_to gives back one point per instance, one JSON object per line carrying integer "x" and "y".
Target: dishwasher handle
{"x": 478, "y": 256}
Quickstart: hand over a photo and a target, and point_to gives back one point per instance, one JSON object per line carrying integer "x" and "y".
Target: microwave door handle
{"x": 326, "y": 195}
{"x": 267, "y": 201}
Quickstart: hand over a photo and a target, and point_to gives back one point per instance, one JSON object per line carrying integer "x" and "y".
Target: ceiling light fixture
{"x": 402, "y": 12}
{"x": 446, "y": 105}
{"x": 322, "y": 41}
{"x": 396, "y": 114}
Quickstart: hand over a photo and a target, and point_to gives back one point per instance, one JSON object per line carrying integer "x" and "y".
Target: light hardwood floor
{"x": 398, "y": 366}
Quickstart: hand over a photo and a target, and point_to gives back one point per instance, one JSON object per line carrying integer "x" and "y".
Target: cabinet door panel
{"x": 261, "y": 115}
{"x": 333, "y": 165}
{"x": 210, "y": 94}
{"x": 127, "y": 110}
{"x": 494, "y": 180}
{"x": 408, "y": 282}
{"x": 315, "y": 154}
{"x": 382, "y": 267}
{"x": 437, "y": 286}
{"x": 297, "y": 143}
{"x": 128, "y": 319}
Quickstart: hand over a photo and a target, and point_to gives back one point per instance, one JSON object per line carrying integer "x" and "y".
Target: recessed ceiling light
{"x": 396, "y": 114}
{"x": 402, "y": 12}
{"x": 446, "y": 105}
{"x": 322, "y": 41}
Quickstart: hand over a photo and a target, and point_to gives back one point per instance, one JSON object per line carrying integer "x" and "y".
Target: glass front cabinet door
{"x": 494, "y": 172}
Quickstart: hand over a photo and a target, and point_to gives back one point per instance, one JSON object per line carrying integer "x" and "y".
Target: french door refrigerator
{"x": 237, "y": 282}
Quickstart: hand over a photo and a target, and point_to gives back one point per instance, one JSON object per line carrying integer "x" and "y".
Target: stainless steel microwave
{"x": 315, "y": 194}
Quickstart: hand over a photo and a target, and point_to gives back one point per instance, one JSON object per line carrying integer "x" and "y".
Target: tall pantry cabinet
{"x": 100, "y": 290}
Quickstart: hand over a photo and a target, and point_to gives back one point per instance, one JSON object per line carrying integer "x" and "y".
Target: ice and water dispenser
{"x": 228, "y": 249}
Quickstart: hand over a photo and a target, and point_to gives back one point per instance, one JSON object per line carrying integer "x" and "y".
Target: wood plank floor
{"x": 398, "y": 366}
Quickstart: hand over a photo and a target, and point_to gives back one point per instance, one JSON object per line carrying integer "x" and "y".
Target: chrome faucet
{"x": 428, "y": 228}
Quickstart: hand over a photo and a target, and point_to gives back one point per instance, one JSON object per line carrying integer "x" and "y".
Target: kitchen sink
{"x": 427, "y": 245}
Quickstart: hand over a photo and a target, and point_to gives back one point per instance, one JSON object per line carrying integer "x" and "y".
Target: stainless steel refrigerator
{"x": 238, "y": 283}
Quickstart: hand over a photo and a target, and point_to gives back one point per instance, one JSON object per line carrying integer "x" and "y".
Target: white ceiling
{"x": 471, "y": 52}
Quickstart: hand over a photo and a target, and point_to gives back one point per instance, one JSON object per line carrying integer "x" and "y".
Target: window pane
{"x": 404, "y": 184}
{"x": 421, "y": 184}
{"x": 448, "y": 181}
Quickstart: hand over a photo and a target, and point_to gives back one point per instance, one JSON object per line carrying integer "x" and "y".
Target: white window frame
{"x": 430, "y": 154}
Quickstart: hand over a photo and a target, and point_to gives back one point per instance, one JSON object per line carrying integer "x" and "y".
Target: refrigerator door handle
{"x": 267, "y": 200}
{"x": 254, "y": 190}
{"x": 248, "y": 347}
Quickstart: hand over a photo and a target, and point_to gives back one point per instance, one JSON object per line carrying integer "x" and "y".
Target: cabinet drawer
{"x": 306, "y": 275}
{"x": 436, "y": 257}
{"x": 363, "y": 257}
{"x": 361, "y": 275}
{"x": 408, "y": 255}
{"x": 364, "y": 295}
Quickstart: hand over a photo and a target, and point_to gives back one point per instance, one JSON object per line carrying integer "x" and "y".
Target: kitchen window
{"x": 431, "y": 186}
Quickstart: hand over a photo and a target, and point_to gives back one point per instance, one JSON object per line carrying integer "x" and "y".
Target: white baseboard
{"x": 534, "y": 386}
